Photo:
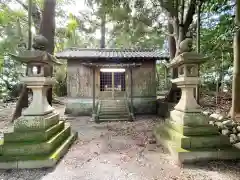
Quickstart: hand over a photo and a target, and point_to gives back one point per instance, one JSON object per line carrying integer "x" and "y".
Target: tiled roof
{"x": 75, "y": 53}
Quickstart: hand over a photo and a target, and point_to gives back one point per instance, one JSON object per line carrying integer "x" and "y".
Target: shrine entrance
{"x": 112, "y": 83}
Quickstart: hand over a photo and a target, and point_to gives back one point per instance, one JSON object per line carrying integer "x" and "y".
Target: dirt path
{"x": 122, "y": 151}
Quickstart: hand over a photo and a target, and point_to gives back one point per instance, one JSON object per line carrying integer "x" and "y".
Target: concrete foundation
{"x": 83, "y": 106}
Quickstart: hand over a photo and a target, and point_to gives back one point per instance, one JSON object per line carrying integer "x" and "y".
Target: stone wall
{"x": 79, "y": 106}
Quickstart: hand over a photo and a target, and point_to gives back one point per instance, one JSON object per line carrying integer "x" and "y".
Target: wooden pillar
{"x": 131, "y": 89}
{"x": 113, "y": 85}
{"x": 93, "y": 90}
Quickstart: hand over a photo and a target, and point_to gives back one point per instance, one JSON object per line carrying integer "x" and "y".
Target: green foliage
{"x": 216, "y": 41}
{"x": 130, "y": 24}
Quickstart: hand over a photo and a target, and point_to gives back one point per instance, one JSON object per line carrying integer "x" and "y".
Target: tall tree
{"x": 47, "y": 29}
{"x": 235, "y": 110}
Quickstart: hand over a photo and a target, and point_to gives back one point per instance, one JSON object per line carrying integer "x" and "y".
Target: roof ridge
{"x": 112, "y": 49}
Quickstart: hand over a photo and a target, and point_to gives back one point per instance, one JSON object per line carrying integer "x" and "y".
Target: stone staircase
{"x": 113, "y": 110}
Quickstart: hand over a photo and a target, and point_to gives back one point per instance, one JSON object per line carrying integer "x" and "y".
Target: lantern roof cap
{"x": 188, "y": 58}
{"x": 38, "y": 54}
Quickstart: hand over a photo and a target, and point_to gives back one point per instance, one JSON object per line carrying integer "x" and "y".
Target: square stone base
{"x": 188, "y": 118}
{"x": 32, "y": 123}
{"x": 31, "y": 162}
{"x": 35, "y": 142}
{"x": 198, "y": 147}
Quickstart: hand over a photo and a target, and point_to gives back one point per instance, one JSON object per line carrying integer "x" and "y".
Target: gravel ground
{"x": 121, "y": 151}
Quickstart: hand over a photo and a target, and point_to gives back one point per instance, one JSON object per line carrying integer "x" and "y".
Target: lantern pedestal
{"x": 39, "y": 87}
{"x": 187, "y": 133}
{"x": 38, "y": 138}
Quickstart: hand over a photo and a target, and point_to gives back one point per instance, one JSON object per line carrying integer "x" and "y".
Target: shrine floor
{"x": 122, "y": 151}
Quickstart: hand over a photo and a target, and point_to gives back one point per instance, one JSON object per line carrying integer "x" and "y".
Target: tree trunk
{"x": 171, "y": 42}
{"x": 103, "y": 31}
{"x": 235, "y": 110}
{"x": 19, "y": 106}
{"x": 47, "y": 29}
{"x": 198, "y": 47}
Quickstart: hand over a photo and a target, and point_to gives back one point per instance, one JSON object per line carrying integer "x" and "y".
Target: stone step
{"x": 113, "y": 116}
{"x": 113, "y": 119}
{"x": 39, "y": 161}
{"x": 43, "y": 148}
{"x": 112, "y": 101}
{"x": 113, "y": 105}
{"x": 124, "y": 107}
{"x": 114, "y": 109}
{"x": 33, "y": 136}
{"x": 113, "y": 112}
{"x": 191, "y": 142}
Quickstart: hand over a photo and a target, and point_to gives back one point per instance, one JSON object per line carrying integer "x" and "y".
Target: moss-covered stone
{"x": 188, "y": 119}
{"x": 40, "y": 161}
{"x": 79, "y": 107}
{"x": 188, "y": 142}
{"x": 145, "y": 105}
{"x": 33, "y": 136}
{"x": 36, "y": 148}
{"x": 35, "y": 123}
{"x": 190, "y": 155}
{"x": 35, "y": 145}
{"x": 193, "y": 131}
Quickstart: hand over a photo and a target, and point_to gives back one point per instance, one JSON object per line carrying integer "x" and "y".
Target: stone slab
{"x": 193, "y": 131}
{"x": 35, "y": 123}
{"x": 188, "y": 119}
{"x": 33, "y": 136}
{"x": 46, "y": 162}
{"x": 8, "y": 165}
{"x": 26, "y": 148}
{"x": 182, "y": 155}
{"x": 189, "y": 142}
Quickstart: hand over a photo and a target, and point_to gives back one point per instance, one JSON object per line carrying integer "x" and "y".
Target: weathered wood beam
{"x": 112, "y": 65}
{"x": 93, "y": 92}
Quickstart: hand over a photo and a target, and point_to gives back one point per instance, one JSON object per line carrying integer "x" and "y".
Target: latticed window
{"x": 108, "y": 79}
{"x": 105, "y": 81}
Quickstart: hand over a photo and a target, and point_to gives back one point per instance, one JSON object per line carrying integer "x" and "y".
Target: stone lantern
{"x": 187, "y": 64}
{"x": 38, "y": 138}
{"x": 187, "y": 133}
{"x": 37, "y": 62}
